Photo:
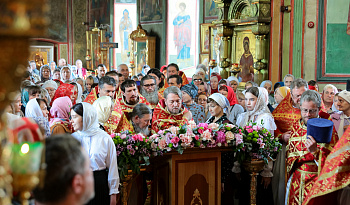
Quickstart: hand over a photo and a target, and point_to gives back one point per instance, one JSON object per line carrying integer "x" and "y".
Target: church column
{"x": 298, "y": 32}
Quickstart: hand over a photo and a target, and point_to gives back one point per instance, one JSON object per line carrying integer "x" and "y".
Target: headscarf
{"x": 45, "y": 94}
{"x": 70, "y": 77}
{"x": 33, "y": 110}
{"x": 60, "y": 110}
{"x": 103, "y": 106}
{"x": 190, "y": 89}
{"x": 145, "y": 69}
{"x": 24, "y": 97}
{"x": 284, "y": 90}
{"x": 41, "y": 74}
{"x": 231, "y": 78}
{"x": 222, "y": 101}
{"x": 80, "y": 93}
{"x": 260, "y": 107}
{"x": 25, "y": 130}
{"x": 50, "y": 84}
{"x": 231, "y": 96}
{"x": 219, "y": 78}
{"x": 278, "y": 84}
{"x": 264, "y": 82}
{"x": 90, "y": 123}
{"x": 200, "y": 70}
{"x": 346, "y": 96}
{"x": 63, "y": 90}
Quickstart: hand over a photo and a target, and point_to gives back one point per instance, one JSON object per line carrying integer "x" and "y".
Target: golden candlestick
{"x": 254, "y": 167}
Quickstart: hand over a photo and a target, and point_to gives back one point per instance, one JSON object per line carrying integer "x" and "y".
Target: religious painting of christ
{"x": 182, "y": 33}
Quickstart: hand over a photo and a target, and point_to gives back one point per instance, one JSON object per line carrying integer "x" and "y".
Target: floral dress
{"x": 198, "y": 113}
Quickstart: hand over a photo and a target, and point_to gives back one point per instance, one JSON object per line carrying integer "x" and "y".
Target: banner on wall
{"x": 182, "y": 34}
{"x": 124, "y": 24}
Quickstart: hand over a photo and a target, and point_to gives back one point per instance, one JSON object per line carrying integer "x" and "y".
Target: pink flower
{"x": 196, "y": 137}
{"x": 153, "y": 137}
{"x": 138, "y": 137}
{"x": 175, "y": 140}
{"x": 186, "y": 140}
{"x": 239, "y": 139}
{"x": 189, "y": 132}
{"x": 275, "y": 149}
{"x": 132, "y": 151}
{"x": 229, "y": 136}
{"x": 161, "y": 132}
{"x": 129, "y": 147}
{"x": 250, "y": 130}
{"x": 204, "y": 125}
{"x": 220, "y": 138}
{"x": 123, "y": 136}
{"x": 200, "y": 131}
{"x": 162, "y": 144}
{"x": 256, "y": 128}
{"x": 113, "y": 135}
{"x": 213, "y": 126}
{"x": 262, "y": 145}
{"x": 174, "y": 130}
{"x": 206, "y": 135}
{"x": 230, "y": 126}
{"x": 153, "y": 145}
{"x": 259, "y": 141}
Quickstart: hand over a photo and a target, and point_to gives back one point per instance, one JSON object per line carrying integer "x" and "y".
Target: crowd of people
{"x": 58, "y": 100}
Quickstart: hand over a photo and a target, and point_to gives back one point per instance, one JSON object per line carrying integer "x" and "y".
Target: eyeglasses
{"x": 149, "y": 85}
{"x": 311, "y": 111}
{"x": 197, "y": 80}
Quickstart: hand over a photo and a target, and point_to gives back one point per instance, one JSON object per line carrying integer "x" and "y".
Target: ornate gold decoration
{"x": 196, "y": 195}
{"x": 254, "y": 167}
{"x": 95, "y": 28}
{"x": 138, "y": 33}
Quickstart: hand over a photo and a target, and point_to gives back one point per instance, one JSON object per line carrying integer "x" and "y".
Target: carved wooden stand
{"x": 254, "y": 167}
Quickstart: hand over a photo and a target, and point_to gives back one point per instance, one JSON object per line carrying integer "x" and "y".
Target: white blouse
{"x": 102, "y": 153}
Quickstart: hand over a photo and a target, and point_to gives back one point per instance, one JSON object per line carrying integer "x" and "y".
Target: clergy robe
{"x": 334, "y": 176}
{"x": 302, "y": 169}
{"x": 162, "y": 119}
{"x": 184, "y": 79}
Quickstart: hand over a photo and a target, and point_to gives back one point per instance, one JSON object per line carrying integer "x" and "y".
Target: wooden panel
{"x": 202, "y": 169}
{"x": 161, "y": 187}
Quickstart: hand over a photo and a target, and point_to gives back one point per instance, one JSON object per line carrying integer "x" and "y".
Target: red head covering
{"x": 219, "y": 78}
{"x": 63, "y": 90}
{"x": 163, "y": 67}
{"x": 312, "y": 88}
{"x": 231, "y": 95}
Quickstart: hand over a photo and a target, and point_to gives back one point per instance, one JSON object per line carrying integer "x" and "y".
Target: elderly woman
{"x": 37, "y": 110}
{"x": 104, "y": 106}
{"x": 60, "y": 123}
{"x": 233, "y": 83}
{"x": 51, "y": 87}
{"x": 280, "y": 94}
{"x": 214, "y": 82}
{"x": 101, "y": 150}
{"x": 268, "y": 86}
{"x": 218, "y": 106}
{"x": 45, "y": 73}
{"x": 189, "y": 93}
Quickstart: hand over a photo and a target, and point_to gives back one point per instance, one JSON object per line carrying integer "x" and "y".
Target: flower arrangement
{"x": 132, "y": 151}
{"x": 255, "y": 142}
{"x": 249, "y": 142}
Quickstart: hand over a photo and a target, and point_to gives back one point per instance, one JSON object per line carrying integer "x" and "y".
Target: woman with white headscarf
{"x": 101, "y": 150}
{"x": 66, "y": 74}
{"x": 256, "y": 100}
{"x": 104, "y": 107}
{"x": 37, "y": 110}
{"x": 80, "y": 92}
{"x": 51, "y": 87}
{"x": 218, "y": 107}
{"x": 233, "y": 82}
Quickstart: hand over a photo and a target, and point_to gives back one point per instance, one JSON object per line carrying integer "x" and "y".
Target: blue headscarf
{"x": 24, "y": 97}
{"x": 190, "y": 89}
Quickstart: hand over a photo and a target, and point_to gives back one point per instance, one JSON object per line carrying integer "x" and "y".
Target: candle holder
{"x": 25, "y": 165}
{"x": 212, "y": 65}
{"x": 132, "y": 66}
{"x": 253, "y": 167}
{"x": 235, "y": 69}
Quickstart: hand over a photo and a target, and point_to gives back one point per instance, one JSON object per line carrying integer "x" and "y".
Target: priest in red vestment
{"x": 173, "y": 69}
{"x": 305, "y": 157}
{"x": 128, "y": 99}
{"x": 332, "y": 185}
{"x": 170, "y": 111}
{"x": 149, "y": 90}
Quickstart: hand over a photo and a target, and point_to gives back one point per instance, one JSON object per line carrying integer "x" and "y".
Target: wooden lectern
{"x": 193, "y": 177}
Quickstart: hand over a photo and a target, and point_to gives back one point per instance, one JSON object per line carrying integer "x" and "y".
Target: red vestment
{"x": 334, "y": 176}
{"x": 302, "y": 169}
{"x": 184, "y": 80}
{"x": 163, "y": 119}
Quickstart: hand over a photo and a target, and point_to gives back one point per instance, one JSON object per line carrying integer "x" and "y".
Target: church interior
{"x": 253, "y": 41}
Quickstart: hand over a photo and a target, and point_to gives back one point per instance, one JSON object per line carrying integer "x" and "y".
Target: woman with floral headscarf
{"x": 60, "y": 111}
{"x": 68, "y": 90}
{"x": 258, "y": 112}
{"x": 189, "y": 94}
